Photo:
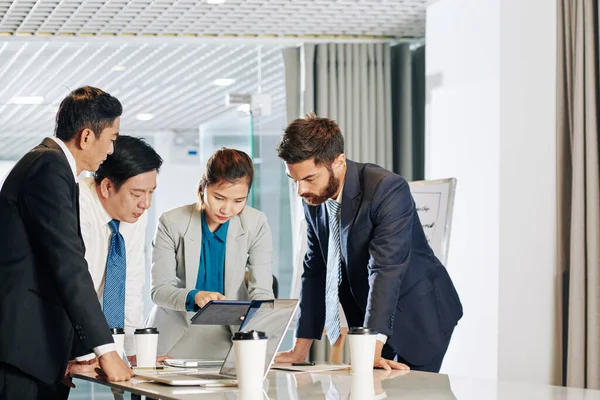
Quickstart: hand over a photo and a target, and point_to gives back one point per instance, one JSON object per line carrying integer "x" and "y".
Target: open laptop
{"x": 270, "y": 316}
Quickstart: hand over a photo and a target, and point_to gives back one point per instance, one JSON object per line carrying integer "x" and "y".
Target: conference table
{"x": 342, "y": 384}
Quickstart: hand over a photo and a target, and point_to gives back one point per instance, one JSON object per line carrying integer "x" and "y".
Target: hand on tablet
{"x": 202, "y": 298}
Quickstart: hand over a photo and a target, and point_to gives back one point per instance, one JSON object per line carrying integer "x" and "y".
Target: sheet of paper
{"x": 310, "y": 368}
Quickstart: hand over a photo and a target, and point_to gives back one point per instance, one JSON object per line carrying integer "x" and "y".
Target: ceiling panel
{"x": 158, "y": 56}
{"x": 263, "y": 18}
{"x": 171, "y": 80}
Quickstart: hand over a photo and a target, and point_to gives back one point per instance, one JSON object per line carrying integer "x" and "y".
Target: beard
{"x": 316, "y": 199}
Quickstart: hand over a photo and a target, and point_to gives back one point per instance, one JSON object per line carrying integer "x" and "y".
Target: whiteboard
{"x": 435, "y": 200}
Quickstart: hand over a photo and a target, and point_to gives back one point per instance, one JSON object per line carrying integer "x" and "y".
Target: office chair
{"x": 275, "y": 284}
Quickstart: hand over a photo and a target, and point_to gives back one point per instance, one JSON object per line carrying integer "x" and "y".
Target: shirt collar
{"x": 91, "y": 183}
{"x": 339, "y": 198}
{"x": 69, "y": 156}
{"x": 220, "y": 233}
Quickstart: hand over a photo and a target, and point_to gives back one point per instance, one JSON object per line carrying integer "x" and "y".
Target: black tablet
{"x": 221, "y": 312}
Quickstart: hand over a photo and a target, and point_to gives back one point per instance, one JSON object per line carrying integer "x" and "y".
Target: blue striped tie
{"x": 334, "y": 274}
{"x": 113, "y": 300}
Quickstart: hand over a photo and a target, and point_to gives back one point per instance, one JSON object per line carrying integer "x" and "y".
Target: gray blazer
{"x": 176, "y": 257}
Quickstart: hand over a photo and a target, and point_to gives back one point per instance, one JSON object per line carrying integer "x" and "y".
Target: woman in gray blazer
{"x": 201, "y": 252}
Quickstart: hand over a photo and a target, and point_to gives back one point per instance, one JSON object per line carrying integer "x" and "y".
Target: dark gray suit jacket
{"x": 47, "y": 297}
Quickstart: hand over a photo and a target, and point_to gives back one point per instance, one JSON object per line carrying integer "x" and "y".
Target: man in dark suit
{"x": 366, "y": 250}
{"x": 48, "y": 305}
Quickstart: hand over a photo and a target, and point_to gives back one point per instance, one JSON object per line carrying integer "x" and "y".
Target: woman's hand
{"x": 202, "y": 298}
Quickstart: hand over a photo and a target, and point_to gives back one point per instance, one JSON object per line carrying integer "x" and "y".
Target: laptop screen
{"x": 272, "y": 317}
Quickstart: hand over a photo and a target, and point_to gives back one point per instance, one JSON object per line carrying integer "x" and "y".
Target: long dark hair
{"x": 226, "y": 165}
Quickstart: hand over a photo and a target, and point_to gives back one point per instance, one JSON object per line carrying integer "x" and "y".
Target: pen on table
{"x": 149, "y": 368}
{"x": 303, "y": 364}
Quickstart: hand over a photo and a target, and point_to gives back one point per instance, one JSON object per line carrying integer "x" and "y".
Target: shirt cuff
{"x": 382, "y": 338}
{"x": 105, "y": 348}
{"x": 190, "y": 303}
{"x": 87, "y": 357}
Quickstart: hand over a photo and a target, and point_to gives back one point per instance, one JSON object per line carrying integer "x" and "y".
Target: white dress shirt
{"x": 69, "y": 155}
{"x": 97, "y": 235}
{"x": 105, "y": 348}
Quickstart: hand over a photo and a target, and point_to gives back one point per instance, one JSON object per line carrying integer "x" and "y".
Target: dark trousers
{"x": 433, "y": 366}
{"x": 15, "y": 384}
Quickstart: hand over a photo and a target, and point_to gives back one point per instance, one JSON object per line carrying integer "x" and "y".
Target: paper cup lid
{"x": 117, "y": 331}
{"x": 249, "y": 335}
{"x": 361, "y": 331}
{"x": 146, "y": 331}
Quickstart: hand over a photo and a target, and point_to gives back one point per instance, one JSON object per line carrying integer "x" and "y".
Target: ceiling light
{"x": 144, "y": 117}
{"x": 27, "y": 100}
{"x": 118, "y": 68}
{"x": 223, "y": 82}
{"x": 244, "y": 108}
{"x": 215, "y": 1}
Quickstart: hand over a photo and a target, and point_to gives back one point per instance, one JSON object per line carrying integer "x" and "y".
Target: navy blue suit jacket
{"x": 393, "y": 281}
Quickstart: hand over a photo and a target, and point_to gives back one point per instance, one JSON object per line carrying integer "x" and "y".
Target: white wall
{"x": 462, "y": 141}
{"x": 528, "y": 278}
{"x": 490, "y": 123}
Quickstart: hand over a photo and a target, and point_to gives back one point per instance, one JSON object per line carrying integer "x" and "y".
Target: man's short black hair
{"x": 132, "y": 156}
{"x": 86, "y": 108}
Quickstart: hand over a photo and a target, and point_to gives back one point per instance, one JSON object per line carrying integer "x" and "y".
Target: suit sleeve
{"x": 48, "y": 198}
{"x": 390, "y": 251}
{"x": 260, "y": 262}
{"x": 164, "y": 290}
{"x": 312, "y": 294}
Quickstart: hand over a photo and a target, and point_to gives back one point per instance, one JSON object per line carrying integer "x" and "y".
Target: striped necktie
{"x": 334, "y": 274}
{"x": 113, "y": 300}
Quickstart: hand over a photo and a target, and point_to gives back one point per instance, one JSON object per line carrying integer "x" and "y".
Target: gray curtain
{"x": 408, "y": 110}
{"x": 352, "y": 85}
{"x": 579, "y": 190}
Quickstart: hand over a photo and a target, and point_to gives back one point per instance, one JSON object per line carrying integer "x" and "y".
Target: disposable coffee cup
{"x": 362, "y": 349}
{"x": 146, "y": 343}
{"x": 250, "y": 349}
{"x": 118, "y": 335}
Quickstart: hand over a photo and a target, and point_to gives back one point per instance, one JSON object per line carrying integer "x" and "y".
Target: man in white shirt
{"x": 113, "y": 226}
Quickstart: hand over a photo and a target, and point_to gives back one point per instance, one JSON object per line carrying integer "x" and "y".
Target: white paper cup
{"x": 362, "y": 349}
{"x": 118, "y": 335}
{"x": 146, "y": 343}
{"x": 250, "y": 349}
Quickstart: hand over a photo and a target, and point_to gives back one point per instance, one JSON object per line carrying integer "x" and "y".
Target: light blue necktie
{"x": 113, "y": 300}
{"x": 334, "y": 274}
